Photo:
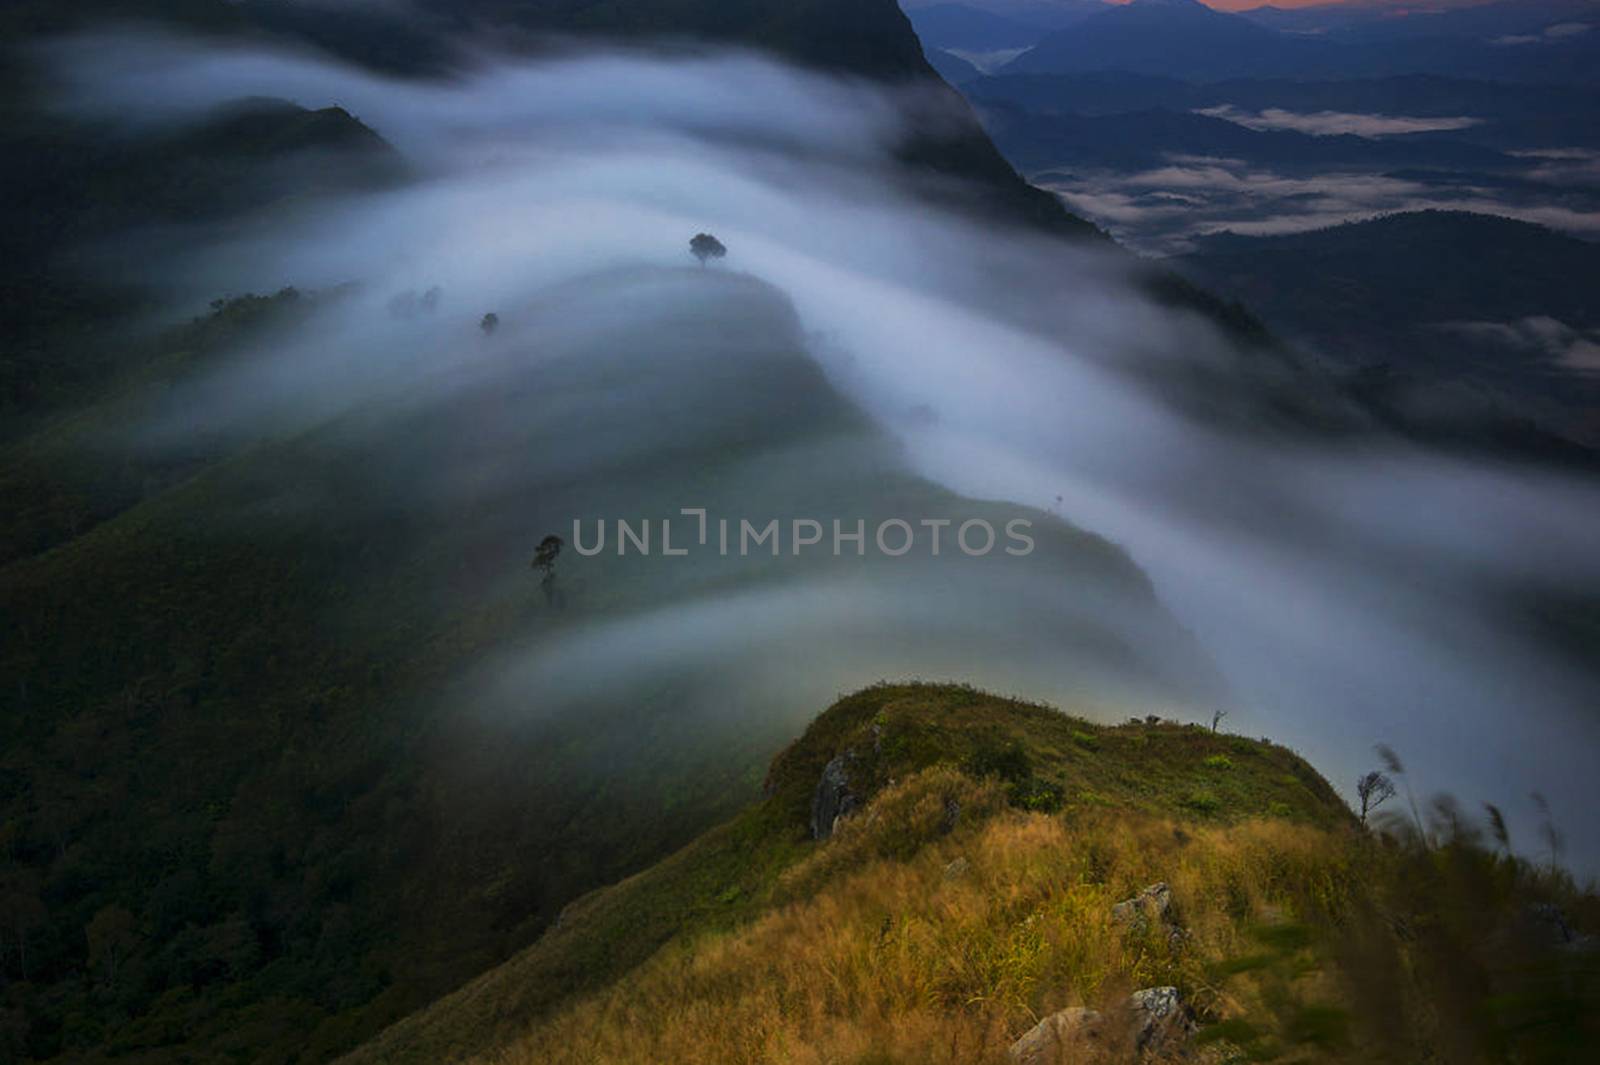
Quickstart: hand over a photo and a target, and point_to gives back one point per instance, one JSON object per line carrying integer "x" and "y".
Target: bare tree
{"x": 1217, "y": 718}
{"x": 1373, "y": 790}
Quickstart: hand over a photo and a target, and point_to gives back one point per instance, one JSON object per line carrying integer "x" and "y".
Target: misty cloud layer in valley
{"x": 1162, "y": 210}
{"x": 860, "y": 354}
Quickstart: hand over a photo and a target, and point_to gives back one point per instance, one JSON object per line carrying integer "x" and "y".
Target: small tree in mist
{"x": 1373, "y": 790}
{"x": 705, "y": 247}
{"x": 544, "y": 562}
{"x": 489, "y": 324}
{"x": 1217, "y": 717}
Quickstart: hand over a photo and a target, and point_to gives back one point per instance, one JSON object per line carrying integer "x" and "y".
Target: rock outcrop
{"x": 1150, "y": 909}
{"x": 1155, "y": 1024}
{"x": 1059, "y": 1038}
{"x": 833, "y": 798}
{"x": 1161, "y": 1022}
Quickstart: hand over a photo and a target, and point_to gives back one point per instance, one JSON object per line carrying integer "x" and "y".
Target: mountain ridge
{"x": 352, "y": 782}
{"x": 971, "y": 885}
{"x": 1044, "y": 759}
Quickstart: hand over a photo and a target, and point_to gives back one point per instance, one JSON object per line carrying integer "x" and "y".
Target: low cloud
{"x": 988, "y": 62}
{"x": 1161, "y": 211}
{"x": 1552, "y": 339}
{"x": 1345, "y": 595}
{"x": 1325, "y": 123}
{"x": 1561, "y": 31}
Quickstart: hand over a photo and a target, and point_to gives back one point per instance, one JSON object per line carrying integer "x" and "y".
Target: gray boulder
{"x": 1154, "y": 903}
{"x": 833, "y": 798}
{"x": 1058, "y": 1038}
{"x": 1155, "y": 1023}
{"x": 1161, "y": 1023}
{"x": 1150, "y": 909}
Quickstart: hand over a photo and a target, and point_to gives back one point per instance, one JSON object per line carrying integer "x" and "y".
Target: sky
{"x": 1246, "y": 5}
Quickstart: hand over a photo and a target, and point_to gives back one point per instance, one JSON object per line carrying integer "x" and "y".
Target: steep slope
{"x": 972, "y": 884}
{"x": 287, "y": 708}
{"x": 65, "y": 181}
{"x": 86, "y": 181}
{"x": 766, "y": 857}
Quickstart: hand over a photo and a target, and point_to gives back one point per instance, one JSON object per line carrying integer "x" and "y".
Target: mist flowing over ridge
{"x": 1347, "y": 596}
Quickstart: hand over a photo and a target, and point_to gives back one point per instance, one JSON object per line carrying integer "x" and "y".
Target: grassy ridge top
{"x": 983, "y": 751}
{"x": 974, "y": 891}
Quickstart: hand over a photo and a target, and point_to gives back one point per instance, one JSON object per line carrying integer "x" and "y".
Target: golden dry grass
{"x": 1305, "y": 938}
{"x": 895, "y": 960}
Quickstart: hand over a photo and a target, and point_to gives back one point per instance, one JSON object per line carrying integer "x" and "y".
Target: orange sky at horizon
{"x": 1245, "y": 5}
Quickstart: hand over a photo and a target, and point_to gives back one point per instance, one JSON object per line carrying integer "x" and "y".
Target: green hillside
{"x": 970, "y": 891}
{"x": 265, "y": 704}
{"x": 67, "y": 328}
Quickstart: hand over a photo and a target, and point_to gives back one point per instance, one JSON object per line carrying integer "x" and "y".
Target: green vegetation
{"x": 1002, "y": 753}
{"x": 244, "y": 815}
{"x": 944, "y": 917}
{"x": 66, "y": 332}
{"x": 242, "y": 706}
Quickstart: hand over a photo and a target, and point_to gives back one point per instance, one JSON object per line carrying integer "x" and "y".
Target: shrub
{"x": 1040, "y": 796}
{"x": 1007, "y": 761}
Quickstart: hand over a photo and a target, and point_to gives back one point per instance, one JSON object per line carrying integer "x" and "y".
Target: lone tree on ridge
{"x": 705, "y": 247}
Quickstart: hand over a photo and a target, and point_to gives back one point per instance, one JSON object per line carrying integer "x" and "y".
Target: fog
{"x": 1338, "y": 594}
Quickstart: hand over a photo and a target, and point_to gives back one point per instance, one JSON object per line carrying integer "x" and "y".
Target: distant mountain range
{"x": 1479, "y": 112}
{"x": 1147, "y": 139}
{"x": 1538, "y": 41}
{"x": 966, "y": 28}
{"x": 1433, "y": 304}
{"x": 1504, "y": 110}
{"x": 1356, "y": 20}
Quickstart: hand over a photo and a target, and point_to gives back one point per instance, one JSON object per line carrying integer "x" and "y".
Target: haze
{"x": 1347, "y": 594}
